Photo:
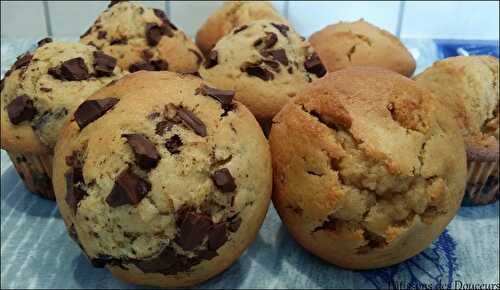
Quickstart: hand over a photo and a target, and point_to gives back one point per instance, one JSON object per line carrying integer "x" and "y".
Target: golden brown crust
{"x": 121, "y": 31}
{"x": 366, "y": 172}
{"x": 360, "y": 43}
{"x": 231, "y": 15}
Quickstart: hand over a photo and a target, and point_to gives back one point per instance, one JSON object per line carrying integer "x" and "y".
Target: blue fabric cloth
{"x": 36, "y": 251}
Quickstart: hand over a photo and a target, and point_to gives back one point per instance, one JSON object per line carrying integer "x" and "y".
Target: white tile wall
{"x": 444, "y": 19}
{"x": 437, "y": 19}
{"x": 23, "y": 18}
{"x": 310, "y": 16}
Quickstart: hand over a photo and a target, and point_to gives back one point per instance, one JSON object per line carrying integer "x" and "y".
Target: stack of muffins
{"x": 151, "y": 145}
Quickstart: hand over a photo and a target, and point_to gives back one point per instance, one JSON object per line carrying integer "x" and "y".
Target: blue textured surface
{"x": 36, "y": 251}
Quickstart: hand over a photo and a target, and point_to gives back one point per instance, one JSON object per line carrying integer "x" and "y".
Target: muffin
{"x": 142, "y": 39}
{"x": 167, "y": 190}
{"x": 37, "y": 93}
{"x": 231, "y": 15}
{"x": 360, "y": 43}
{"x": 368, "y": 168}
{"x": 265, "y": 63}
{"x": 468, "y": 85}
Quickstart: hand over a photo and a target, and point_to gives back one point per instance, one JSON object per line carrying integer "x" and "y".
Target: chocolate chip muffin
{"x": 360, "y": 43}
{"x": 167, "y": 190}
{"x": 265, "y": 63}
{"x": 368, "y": 168}
{"x": 37, "y": 93}
{"x": 142, "y": 39}
{"x": 468, "y": 85}
{"x": 231, "y": 15}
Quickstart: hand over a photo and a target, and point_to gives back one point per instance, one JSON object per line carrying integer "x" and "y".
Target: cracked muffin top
{"x": 43, "y": 86}
{"x": 231, "y": 15}
{"x": 162, "y": 179}
{"x": 368, "y": 168}
{"x": 142, "y": 39}
{"x": 360, "y": 43}
{"x": 265, "y": 63}
{"x": 468, "y": 85}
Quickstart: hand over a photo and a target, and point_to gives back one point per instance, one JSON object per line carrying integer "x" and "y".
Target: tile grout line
{"x": 167, "y": 9}
{"x": 48, "y": 22}
{"x": 401, "y": 11}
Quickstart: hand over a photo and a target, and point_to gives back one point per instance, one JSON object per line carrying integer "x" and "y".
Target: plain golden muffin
{"x": 37, "y": 94}
{"x": 468, "y": 86}
{"x": 162, "y": 179}
{"x": 361, "y": 43}
{"x": 368, "y": 168}
{"x": 265, "y": 63}
{"x": 231, "y": 15}
{"x": 142, "y": 39}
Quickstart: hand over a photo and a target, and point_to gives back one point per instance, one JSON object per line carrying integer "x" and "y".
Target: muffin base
{"x": 482, "y": 177}
{"x": 36, "y": 172}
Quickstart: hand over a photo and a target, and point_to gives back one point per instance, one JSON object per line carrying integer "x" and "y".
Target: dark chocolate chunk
{"x": 87, "y": 32}
{"x": 114, "y": 2}
{"x": 313, "y": 65}
{"x": 153, "y": 115}
{"x": 165, "y": 260}
{"x": 275, "y": 66}
{"x": 2, "y": 83}
{"x": 147, "y": 54}
{"x": 199, "y": 58}
{"x": 257, "y": 71}
{"x": 103, "y": 64}
{"x": 21, "y": 109}
{"x": 269, "y": 40}
{"x": 102, "y": 260}
{"x": 159, "y": 65}
{"x": 153, "y": 34}
{"x": 240, "y": 29}
{"x": 206, "y": 254}
{"x": 45, "y": 90}
{"x": 44, "y": 41}
{"x": 173, "y": 144}
{"x": 91, "y": 110}
{"x": 163, "y": 127}
{"x": 193, "y": 230}
{"x": 212, "y": 59}
{"x": 234, "y": 225}
{"x": 277, "y": 55}
{"x": 101, "y": 34}
{"x": 118, "y": 41}
{"x": 22, "y": 60}
{"x": 74, "y": 194}
{"x": 223, "y": 180}
{"x": 190, "y": 120}
{"x": 129, "y": 188}
{"x": 71, "y": 70}
{"x": 283, "y": 29}
{"x": 225, "y": 97}
{"x": 290, "y": 70}
{"x": 141, "y": 66}
{"x": 166, "y": 22}
{"x": 217, "y": 236}
{"x": 146, "y": 155}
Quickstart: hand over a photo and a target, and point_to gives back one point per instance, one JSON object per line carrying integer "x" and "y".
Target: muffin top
{"x": 363, "y": 157}
{"x": 160, "y": 165}
{"x": 468, "y": 85}
{"x": 43, "y": 86}
{"x": 231, "y": 15}
{"x": 142, "y": 39}
{"x": 265, "y": 63}
{"x": 360, "y": 43}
